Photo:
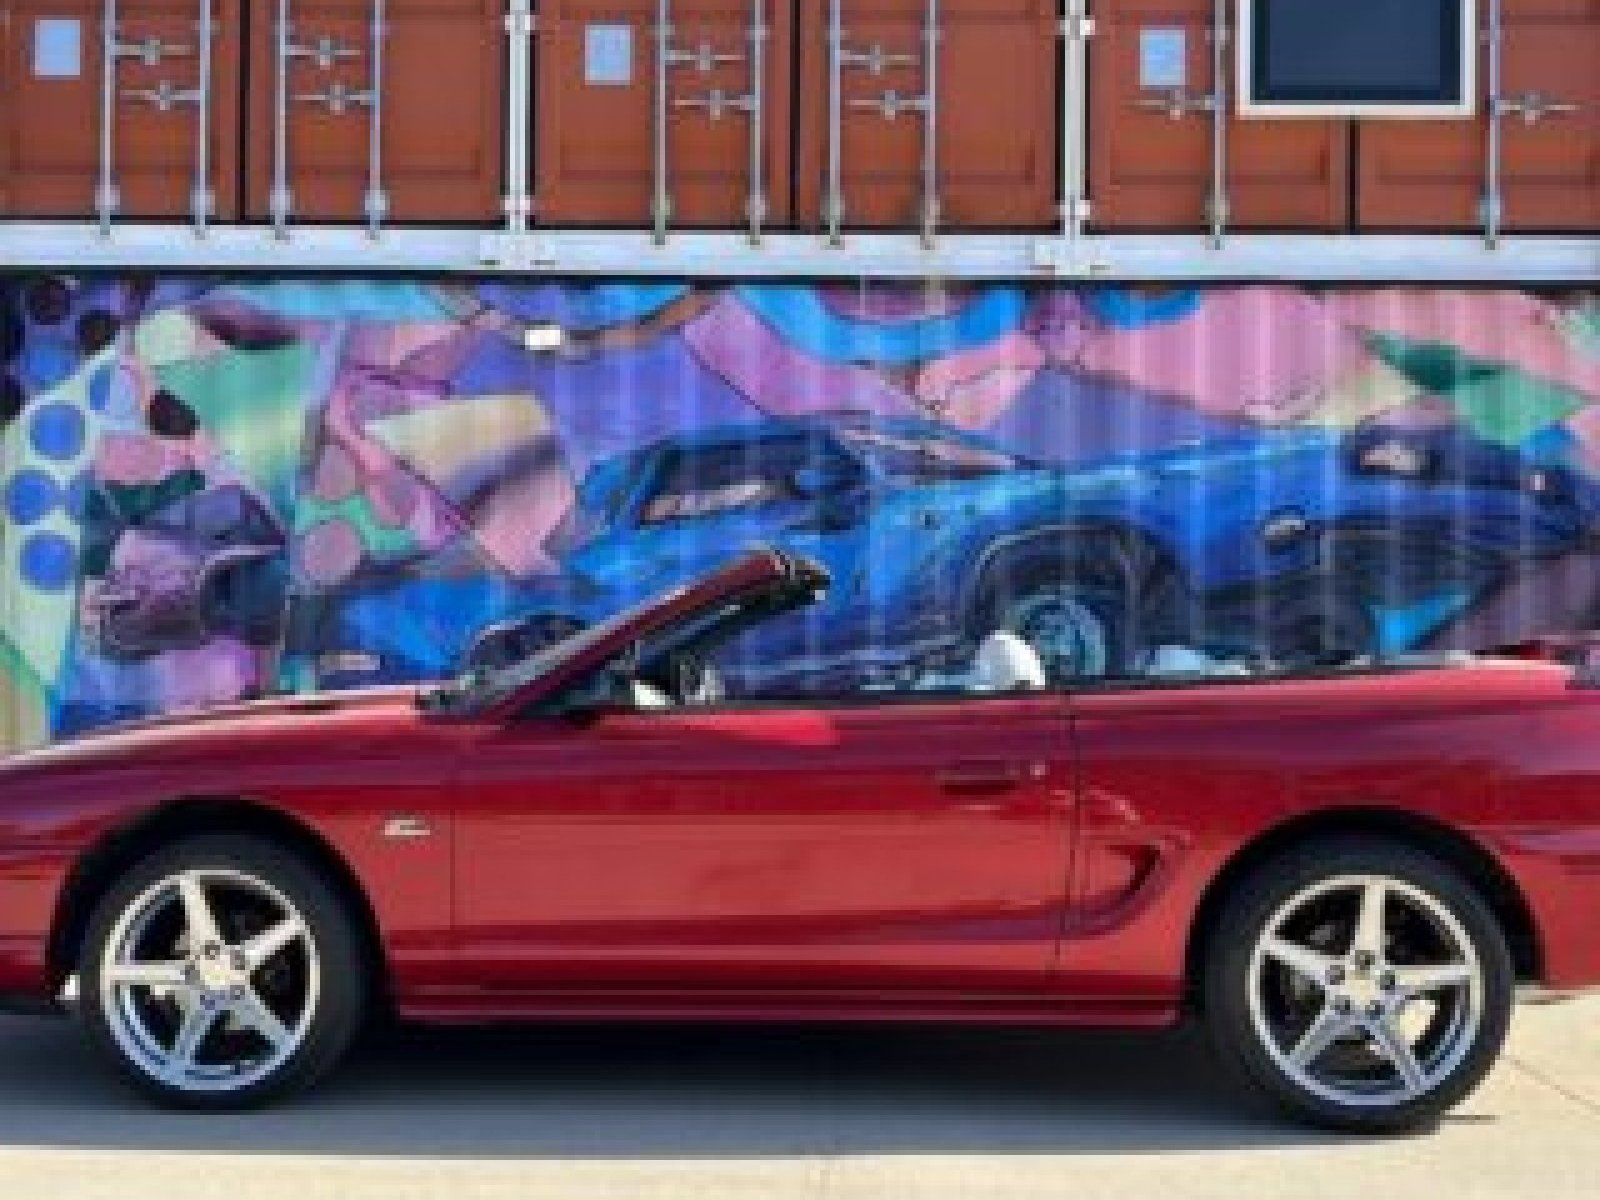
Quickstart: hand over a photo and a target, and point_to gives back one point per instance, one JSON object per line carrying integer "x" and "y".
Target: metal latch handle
{"x": 875, "y": 59}
{"x": 150, "y": 51}
{"x": 1533, "y": 107}
{"x": 1178, "y": 103}
{"x": 164, "y": 97}
{"x": 703, "y": 58}
{"x": 325, "y": 51}
{"x": 717, "y": 103}
{"x": 891, "y": 104}
{"x": 339, "y": 98}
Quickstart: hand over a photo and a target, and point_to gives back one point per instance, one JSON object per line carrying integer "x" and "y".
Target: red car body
{"x": 1048, "y": 857}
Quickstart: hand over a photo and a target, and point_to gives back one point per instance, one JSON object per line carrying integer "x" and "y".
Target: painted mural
{"x": 214, "y": 489}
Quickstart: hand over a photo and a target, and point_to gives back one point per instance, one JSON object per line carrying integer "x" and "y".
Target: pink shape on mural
{"x": 780, "y": 379}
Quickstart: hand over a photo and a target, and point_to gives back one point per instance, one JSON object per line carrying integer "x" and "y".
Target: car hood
{"x": 1142, "y": 472}
{"x": 255, "y": 726}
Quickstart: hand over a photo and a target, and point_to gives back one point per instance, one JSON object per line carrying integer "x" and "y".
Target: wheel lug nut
{"x": 1387, "y": 981}
{"x": 236, "y": 992}
{"x": 239, "y": 962}
{"x": 1374, "y": 1010}
{"x": 1335, "y": 975}
{"x": 213, "y": 950}
{"x": 1342, "y": 1006}
{"x": 1363, "y": 960}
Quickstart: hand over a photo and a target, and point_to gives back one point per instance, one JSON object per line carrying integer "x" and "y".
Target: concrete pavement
{"x": 776, "y": 1114}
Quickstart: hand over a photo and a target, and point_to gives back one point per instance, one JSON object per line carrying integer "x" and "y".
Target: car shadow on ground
{"x": 676, "y": 1093}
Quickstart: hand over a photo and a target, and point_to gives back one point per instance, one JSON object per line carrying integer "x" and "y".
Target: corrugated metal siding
{"x": 210, "y": 489}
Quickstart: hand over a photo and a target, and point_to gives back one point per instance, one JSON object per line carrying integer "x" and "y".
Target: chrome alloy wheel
{"x": 1366, "y": 991}
{"x": 210, "y": 980}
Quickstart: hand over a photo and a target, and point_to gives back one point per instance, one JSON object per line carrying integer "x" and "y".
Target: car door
{"x": 922, "y": 843}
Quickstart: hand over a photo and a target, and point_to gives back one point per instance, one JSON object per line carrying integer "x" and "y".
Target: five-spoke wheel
{"x": 1361, "y": 983}
{"x": 220, "y": 972}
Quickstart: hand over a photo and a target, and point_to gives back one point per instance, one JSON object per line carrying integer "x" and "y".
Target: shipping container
{"x": 1166, "y": 150}
{"x": 1534, "y": 149}
{"x": 930, "y": 114}
{"x": 666, "y": 114}
{"x": 147, "y": 130}
{"x": 376, "y": 110}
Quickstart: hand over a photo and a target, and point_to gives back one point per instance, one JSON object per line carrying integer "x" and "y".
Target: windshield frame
{"x": 507, "y": 690}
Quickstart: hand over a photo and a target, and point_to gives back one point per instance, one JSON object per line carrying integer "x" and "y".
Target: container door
{"x": 930, "y": 115}
{"x": 1153, "y": 137}
{"x": 403, "y": 126}
{"x": 682, "y": 131}
{"x": 1436, "y": 174}
{"x": 147, "y": 131}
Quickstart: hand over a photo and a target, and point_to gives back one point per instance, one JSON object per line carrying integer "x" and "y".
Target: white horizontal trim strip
{"x": 1298, "y": 257}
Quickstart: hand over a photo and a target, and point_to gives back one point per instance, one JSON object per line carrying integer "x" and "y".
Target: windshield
{"x": 482, "y": 687}
{"x": 914, "y": 459}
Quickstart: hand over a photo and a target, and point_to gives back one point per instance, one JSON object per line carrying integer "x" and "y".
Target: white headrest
{"x": 1006, "y": 663}
{"x": 645, "y": 695}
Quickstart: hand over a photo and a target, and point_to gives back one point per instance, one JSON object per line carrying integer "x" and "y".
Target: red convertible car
{"x": 1346, "y": 876}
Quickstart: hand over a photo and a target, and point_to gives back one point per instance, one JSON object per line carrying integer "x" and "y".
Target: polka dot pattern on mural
{"x": 48, "y": 561}
{"x": 47, "y": 363}
{"x": 30, "y": 496}
{"x": 58, "y": 432}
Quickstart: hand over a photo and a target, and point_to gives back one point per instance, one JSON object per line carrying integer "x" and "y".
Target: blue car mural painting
{"x": 1292, "y": 548}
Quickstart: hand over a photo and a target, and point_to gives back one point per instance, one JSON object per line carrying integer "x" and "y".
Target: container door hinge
{"x": 1078, "y": 27}
{"x": 521, "y": 23}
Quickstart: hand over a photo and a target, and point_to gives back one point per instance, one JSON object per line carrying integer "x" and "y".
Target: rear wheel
{"x": 1360, "y": 984}
{"x": 221, "y": 973}
{"x": 1091, "y": 606}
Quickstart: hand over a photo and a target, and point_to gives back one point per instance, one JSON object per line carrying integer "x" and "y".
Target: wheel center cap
{"x": 215, "y": 973}
{"x": 1363, "y": 990}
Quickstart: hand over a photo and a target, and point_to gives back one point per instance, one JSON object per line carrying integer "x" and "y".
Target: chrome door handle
{"x": 980, "y": 777}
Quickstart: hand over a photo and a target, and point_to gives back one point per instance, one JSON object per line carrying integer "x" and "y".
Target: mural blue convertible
{"x": 213, "y": 489}
{"x": 935, "y": 537}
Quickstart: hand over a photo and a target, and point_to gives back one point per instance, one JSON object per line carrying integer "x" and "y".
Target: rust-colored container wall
{"x": 1150, "y": 140}
{"x": 595, "y": 112}
{"x": 996, "y": 124}
{"x": 1432, "y": 174}
{"x": 442, "y": 110}
{"x": 50, "y": 118}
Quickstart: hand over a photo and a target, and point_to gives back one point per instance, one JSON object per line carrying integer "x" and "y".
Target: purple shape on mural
{"x": 1082, "y": 418}
{"x": 781, "y": 379}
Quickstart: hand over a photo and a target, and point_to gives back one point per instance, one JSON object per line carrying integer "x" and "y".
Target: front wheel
{"x": 1360, "y": 984}
{"x": 221, "y": 973}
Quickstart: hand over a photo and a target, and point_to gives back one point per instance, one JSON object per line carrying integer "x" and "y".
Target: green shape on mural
{"x": 1582, "y": 327}
{"x": 385, "y": 543}
{"x": 1511, "y": 407}
{"x": 1435, "y": 366}
{"x": 253, "y": 403}
{"x": 24, "y": 702}
{"x": 1498, "y": 403}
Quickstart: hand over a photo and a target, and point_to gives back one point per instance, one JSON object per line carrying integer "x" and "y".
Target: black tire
{"x": 344, "y": 985}
{"x": 1242, "y": 924}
